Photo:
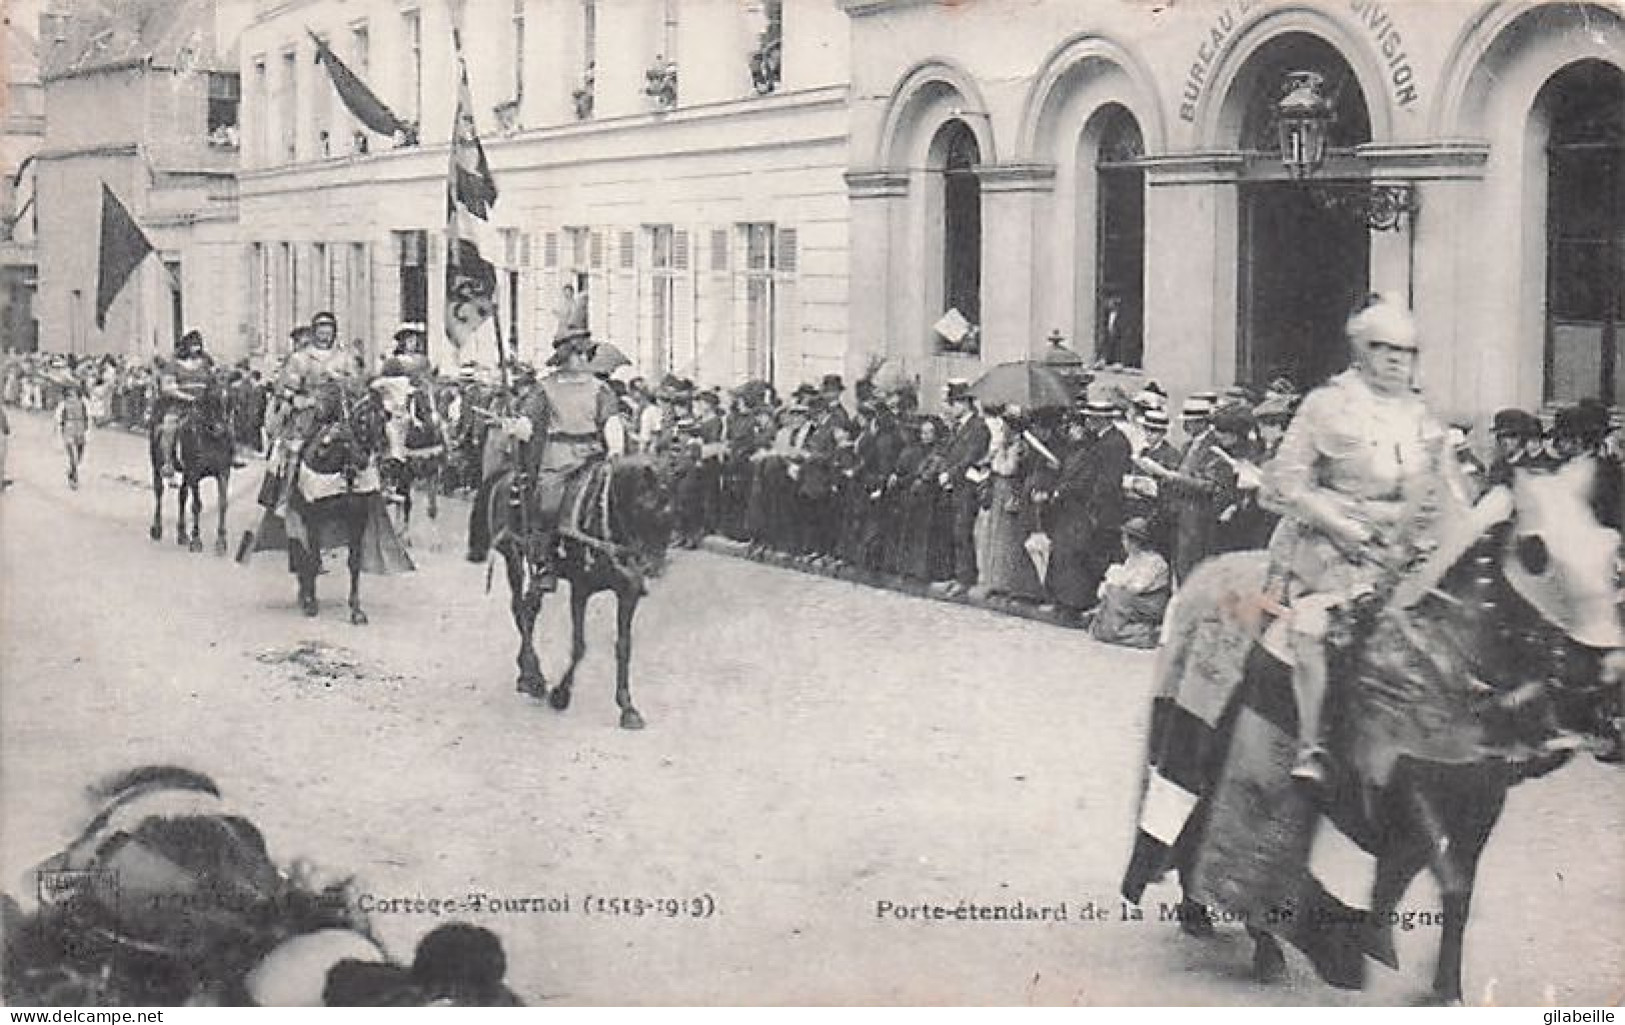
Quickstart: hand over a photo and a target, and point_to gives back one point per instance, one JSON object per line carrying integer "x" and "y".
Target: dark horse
{"x": 616, "y": 528}
{"x": 343, "y": 451}
{"x": 204, "y": 449}
{"x": 1464, "y": 683}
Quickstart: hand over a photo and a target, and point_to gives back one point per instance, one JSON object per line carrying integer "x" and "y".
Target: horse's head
{"x": 1543, "y": 578}
{"x": 640, "y": 510}
{"x": 351, "y": 430}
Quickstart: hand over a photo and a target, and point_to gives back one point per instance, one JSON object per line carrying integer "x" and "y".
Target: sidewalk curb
{"x": 888, "y": 582}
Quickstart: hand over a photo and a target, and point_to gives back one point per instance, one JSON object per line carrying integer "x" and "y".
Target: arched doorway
{"x": 1304, "y": 257}
{"x": 1583, "y": 107}
{"x": 957, "y": 272}
{"x": 1119, "y": 217}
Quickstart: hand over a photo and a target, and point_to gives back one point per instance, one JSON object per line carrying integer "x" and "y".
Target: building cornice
{"x": 876, "y": 184}
{"x": 1445, "y": 159}
{"x": 1016, "y": 177}
{"x": 863, "y": 8}
{"x": 114, "y": 149}
{"x": 1192, "y": 168}
{"x": 127, "y": 64}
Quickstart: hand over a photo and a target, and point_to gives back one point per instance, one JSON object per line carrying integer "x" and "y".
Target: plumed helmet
{"x": 1385, "y": 318}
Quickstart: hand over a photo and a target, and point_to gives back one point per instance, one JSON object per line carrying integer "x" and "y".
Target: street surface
{"x": 813, "y": 748}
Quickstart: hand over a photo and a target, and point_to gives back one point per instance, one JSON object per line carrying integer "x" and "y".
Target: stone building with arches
{"x": 1115, "y": 171}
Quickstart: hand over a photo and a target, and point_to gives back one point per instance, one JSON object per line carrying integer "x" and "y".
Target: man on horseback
{"x": 565, "y": 424}
{"x": 1357, "y": 476}
{"x": 306, "y": 374}
{"x": 182, "y": 380}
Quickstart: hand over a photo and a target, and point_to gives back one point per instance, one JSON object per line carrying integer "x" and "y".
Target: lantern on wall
{"x": 1303, "y": 116}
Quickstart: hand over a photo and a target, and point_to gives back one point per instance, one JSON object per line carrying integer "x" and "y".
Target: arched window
{"x": 1120, "y": 229}
{"x": 961, "y": 223}
{"x": 1585, "y": 232}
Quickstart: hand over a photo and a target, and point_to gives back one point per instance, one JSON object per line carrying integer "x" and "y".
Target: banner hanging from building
{"x": 123, "y": 246}
{"x": 361, "y": 101}
{"x": 471, "y": 192}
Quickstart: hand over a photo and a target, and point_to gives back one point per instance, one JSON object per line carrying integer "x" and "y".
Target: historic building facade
{"x": 140, "y": 95}
{"x": 678, "y": 165}
{"x": 22, "y": 127}
{"x": 1116, "y": 171}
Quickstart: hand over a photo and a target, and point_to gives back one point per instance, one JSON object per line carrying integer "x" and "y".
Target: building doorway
{"x": 1304, "y": 270}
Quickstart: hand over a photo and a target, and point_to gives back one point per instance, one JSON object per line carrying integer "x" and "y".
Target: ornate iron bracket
{"x": 1383, "y": 206}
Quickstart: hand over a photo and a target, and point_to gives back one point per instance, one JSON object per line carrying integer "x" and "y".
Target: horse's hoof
{"x": 358, "y": 618}
{"x": 309, "y": 608}
{"x": 533, "y": 686}
{"x": 156, "y": 533}
{"x": 559, "y": 699}
{"x": 194, "y": 546}
{"x": 219, "y": 546}
{"x": 1269, "y": 965}
{"x": 180, "y": 542}
{"x": 1194, "y": 919}
{"x": 630, "y": 719}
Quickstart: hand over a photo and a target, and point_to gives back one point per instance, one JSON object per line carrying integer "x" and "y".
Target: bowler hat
{"x": 832, "y": 382}
{"x": 1515, "y": 423}
{"x": 957, "y": 390}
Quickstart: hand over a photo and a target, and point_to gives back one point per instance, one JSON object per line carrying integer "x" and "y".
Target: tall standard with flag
{"x": 471, "y": 192}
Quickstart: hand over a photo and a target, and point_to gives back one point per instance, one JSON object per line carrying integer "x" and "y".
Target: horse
{"x": 616, "y": 524}
{"x": 204, "y": 449}
{"x": 336, "y": 498}
{"x": 1455, "y": 684}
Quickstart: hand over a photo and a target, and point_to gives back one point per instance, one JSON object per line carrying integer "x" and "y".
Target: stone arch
{"x": 933, "y": 92}
{"x": 1495, "y": 68}
{"x": 1219, "y": 112}
{"x": 1071, "y": 67}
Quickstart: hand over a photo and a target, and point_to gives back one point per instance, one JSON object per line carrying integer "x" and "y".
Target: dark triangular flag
{"x": 358, "y": 99}
{"x": 124, "y": 246}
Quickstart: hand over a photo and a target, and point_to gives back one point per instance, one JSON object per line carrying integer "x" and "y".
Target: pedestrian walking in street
{"x": 72, "y": 424}
{"x": 5, "y": 440}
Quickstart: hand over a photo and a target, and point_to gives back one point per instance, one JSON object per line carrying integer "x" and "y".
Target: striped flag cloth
{"x": 471, "y": 192}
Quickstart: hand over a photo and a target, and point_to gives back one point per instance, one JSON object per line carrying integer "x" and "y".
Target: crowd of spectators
{"x": 1093, "y": 511}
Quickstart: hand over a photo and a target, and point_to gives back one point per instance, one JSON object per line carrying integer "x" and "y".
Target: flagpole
{"x": 455, "y": 10}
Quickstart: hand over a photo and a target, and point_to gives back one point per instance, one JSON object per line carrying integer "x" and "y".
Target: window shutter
{"x": 550, "y": 250}
{"x": 597, "y": 247}
{"x": 685, "y": 349}
{"x": 786, "y": 261}
{"x": 629, "y": 253}
{"x": 679, "y": 250}
{"x": 524, "y": 250}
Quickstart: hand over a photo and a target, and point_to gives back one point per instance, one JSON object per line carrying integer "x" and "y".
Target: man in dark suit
{"x": 967, "y": 449}
{"x": 1088, "y": 508}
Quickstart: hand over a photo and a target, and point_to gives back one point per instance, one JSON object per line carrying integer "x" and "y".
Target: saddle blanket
{"x": 317, "y": 486}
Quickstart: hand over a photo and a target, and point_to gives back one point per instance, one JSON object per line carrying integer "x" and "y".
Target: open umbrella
{"x": 1027, "y": 383}
{"x": 607, "y": 358}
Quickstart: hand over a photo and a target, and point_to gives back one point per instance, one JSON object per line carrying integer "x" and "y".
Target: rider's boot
{"x": 1309, "y": 681}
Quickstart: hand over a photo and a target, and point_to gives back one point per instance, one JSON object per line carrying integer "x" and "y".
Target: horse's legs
{"x": 180, "y": 513}
{"x": 222, "y": 481}
{"x": 156, "y": 531}
{"x": 1395, "y": 869}
{"x": 358, "y": 527}
{"x": 524, "y": 607}
{"x": 626, "y": 607}
{"x": 305, "y": 565}
{"x": 1473, "y": 815}
{"x": 579, "y": 594}
{"x": 194, "y": 486}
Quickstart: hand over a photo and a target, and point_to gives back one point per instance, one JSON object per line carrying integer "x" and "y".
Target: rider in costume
{"x": 182, "y": 380}
{"x": 304, "y": 376}
{"x": 1358, "y": 476}
{"x": 564, "y": 424}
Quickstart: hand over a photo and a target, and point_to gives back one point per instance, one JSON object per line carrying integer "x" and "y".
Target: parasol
{"x": 607, "y": 358}
{"x": 1028, "y": 384}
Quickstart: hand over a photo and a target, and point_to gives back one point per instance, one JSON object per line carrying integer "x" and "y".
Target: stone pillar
{"x": 878, "y": 210}
{"x": 1011, "y": 197}
{"x": 1191, "y": 270}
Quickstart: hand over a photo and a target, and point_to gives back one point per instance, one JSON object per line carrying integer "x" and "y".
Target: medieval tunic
{"x": 1354, "y": 458}
{"x": 567, "y": 411}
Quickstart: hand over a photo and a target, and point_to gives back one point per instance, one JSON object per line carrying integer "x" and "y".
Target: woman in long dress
{"x": 1009, "y": 569}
